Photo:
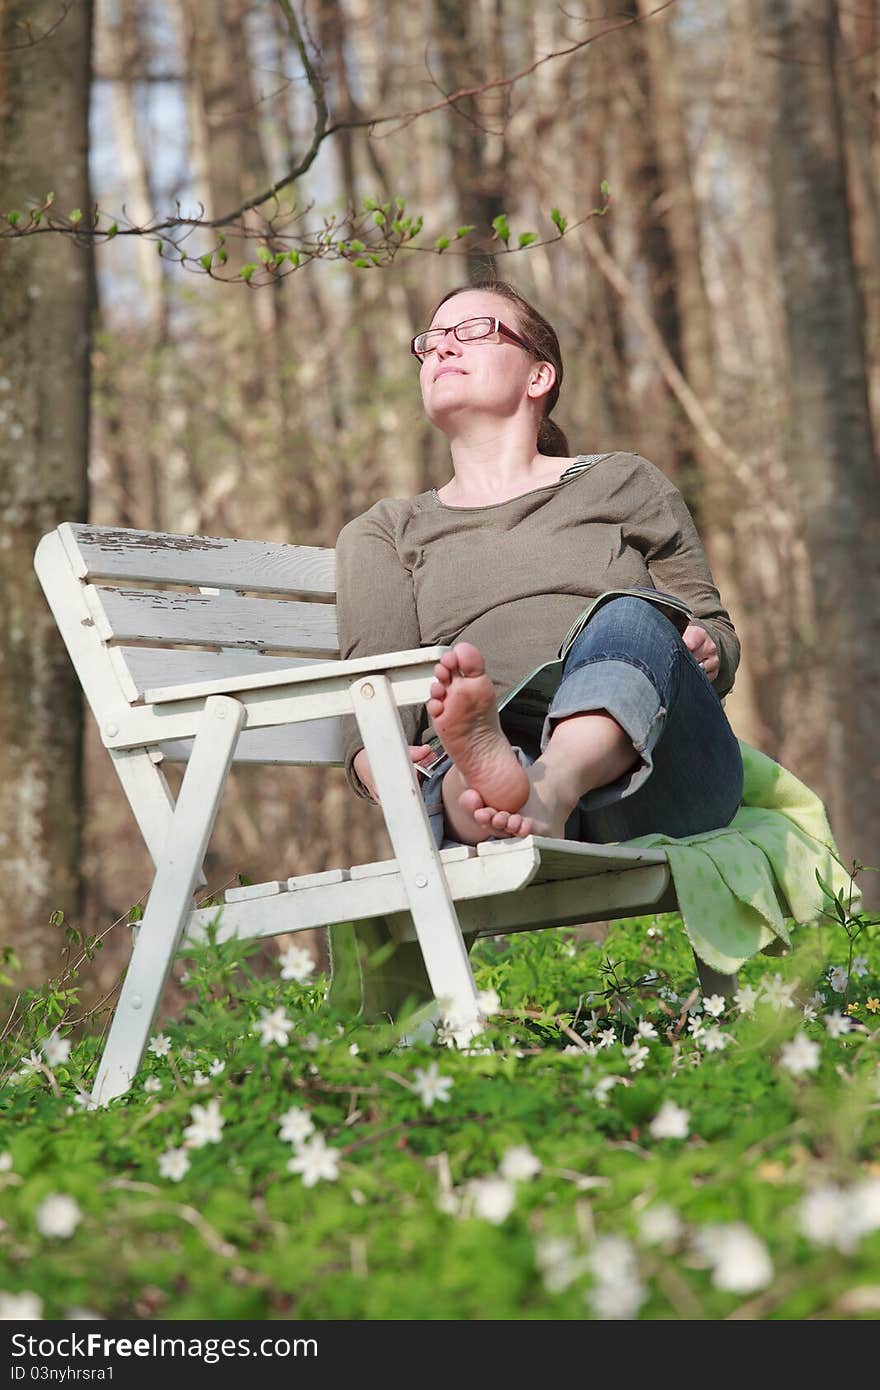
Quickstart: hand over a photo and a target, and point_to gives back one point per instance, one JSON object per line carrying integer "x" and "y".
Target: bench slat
{"x": 155, "y": 667}
{"x": 166, "y": 618}
{"x": 105, "y": 552}
{"x": 315, "y": 742}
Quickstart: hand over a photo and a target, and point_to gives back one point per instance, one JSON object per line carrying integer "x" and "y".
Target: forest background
{"x": 715, "y": 170}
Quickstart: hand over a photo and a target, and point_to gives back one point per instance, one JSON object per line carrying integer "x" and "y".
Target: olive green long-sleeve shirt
{"x": 512, "y": 577}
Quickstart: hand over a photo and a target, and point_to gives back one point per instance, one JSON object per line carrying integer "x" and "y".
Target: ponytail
{"x": 552, "y": 440}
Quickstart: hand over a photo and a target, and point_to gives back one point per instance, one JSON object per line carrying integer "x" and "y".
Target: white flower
{"x": 823, "y": 1214}
{"x": 668, "y": 994}
{"x": 152, "y": 1083}
{"x": 832, "y": 1215}
{"x": 860, "y": 966}
{"x": 310, "y": 1043}
{"x": 296, "y": 1125}
{"x": 353, "y": 1049}
{"x": 429, "y": 1085}
{"x": 5, "y": 1162}
{"x": 173, "y": 1164}
{"x": 604, "y": 1085}
{"x": 30, "y": 1064}
{"x": 607, "y": 1038}
{"x": 714, "y": 1040}
{"x": 206, "y": 1126}
{"x": 670, "y": 1122}
{"x": 314, "y": 1160}
{"x": 459, "y": 1027}
{"x": 199, "y": 1079}
{"x": 493, "y": 1198}
{"x": 816, "y": 999}
{"x": 55, "y": 1049}
{"x": 799, "y": 1055}
{"x": 636, "y": 1056}
{"x": 160, "y": 1045}
{"x": 85, "y": 1100}
{"x": 58, "y": 1215}
{"x": 778, "y": 993}
{"x": 696, "y": 1027}
{"x": 617, "y": 1291}
{"x": 274, "y": 1027}
{"x": 296, "y": 964}
{"x": 837, "y": 1024}
{"x": 838, "y": 978}
{"x": 216, "y": 1067}
{"x": 714, "y": 1005}
{"x": 620, "y": 1301}
{"x": 20, "y": 1307}
{"x": 556, "y": 1259}
{"x": 809, "y": 1013}
{"x": 488, "y": 1002}
{"x": 746, "y": 998}
{"x": 646, "y": 1029}
{"x": 519, "y": 1163}
{"x": 740, "y": 1260}
{"x": 660, "y": 1224}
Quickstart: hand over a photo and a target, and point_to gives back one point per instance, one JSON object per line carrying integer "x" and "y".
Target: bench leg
{"x": 434, "y": 918}
{"x": 171, "y": 896}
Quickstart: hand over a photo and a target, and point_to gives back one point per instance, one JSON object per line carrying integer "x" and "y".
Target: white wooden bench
{"x": 215, "y": 650}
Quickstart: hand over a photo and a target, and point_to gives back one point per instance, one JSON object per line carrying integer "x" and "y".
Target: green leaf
{"x": 501, "y": 227}
{"x": 526, "y": 238}
{"x": 222, "y": 256}
{"x": 605, "y": 188}
{"x": 441, "y": 243}
{"x": 13, "y": 218}
{"x": 399, "y": 202}
{"x": 207, "y": 260}
{"x": 356, "y": 246}
{"x": 463, "y": 231}
{"x": 560, "y": 221}
{"x": 370, "y": 204}
{"x": 247, "y": 271}
{"x": 76, "y": 217}
{"x": 379, "y": 217}
{"x": 293, "y": 257}
{"x": 264, "y": 254}
{"x": 49, "y": 200}
{"x": 112, "y": 230}
{"x": 362, "y": 262}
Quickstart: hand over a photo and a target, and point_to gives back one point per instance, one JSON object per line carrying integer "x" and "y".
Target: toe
{"x": 471, "y": 800}
{"x": 500, "y": 820}
{"x": 469, "y": 659}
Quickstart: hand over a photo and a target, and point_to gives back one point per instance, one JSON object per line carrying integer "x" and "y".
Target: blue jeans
{"x": 630, "y": 661}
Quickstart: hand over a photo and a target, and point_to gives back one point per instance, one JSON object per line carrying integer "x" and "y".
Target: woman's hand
{"x": 418, "y": 752}
{"x": 703, "y": 649}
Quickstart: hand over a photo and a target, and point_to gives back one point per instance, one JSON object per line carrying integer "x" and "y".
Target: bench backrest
{"x": 142, "y": 609}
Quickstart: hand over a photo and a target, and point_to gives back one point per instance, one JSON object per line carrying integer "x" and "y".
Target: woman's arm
{"x": 663, "y": 528}
{"x": 376, "y": 612}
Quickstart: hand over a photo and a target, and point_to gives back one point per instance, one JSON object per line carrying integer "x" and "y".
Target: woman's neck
{"x": 491, "y": 466}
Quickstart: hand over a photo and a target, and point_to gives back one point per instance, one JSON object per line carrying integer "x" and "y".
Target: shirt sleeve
{"x": 376, "y": 611}
{"x": 664, "y": 530}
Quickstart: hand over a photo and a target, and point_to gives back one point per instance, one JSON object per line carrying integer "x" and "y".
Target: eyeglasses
{"x": 468, "y": 331}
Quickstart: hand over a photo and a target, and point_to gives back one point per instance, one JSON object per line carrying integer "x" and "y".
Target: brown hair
{"x": 544, "y": 346}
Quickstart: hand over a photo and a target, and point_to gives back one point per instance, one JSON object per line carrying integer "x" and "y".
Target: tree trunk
{"x": 833, "y": 461}
{"x": 45, "y": 329}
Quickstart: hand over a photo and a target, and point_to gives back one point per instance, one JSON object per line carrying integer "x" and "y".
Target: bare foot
{"x": 541, "y": 814}
{"x": 463, "y": 711}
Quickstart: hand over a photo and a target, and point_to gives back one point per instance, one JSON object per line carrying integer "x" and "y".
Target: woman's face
{"x": 489, "y": 376}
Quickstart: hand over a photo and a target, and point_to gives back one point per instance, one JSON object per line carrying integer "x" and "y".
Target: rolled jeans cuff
{"x": 625, "y": 691}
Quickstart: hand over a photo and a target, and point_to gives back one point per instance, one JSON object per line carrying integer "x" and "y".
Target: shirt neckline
{"x": 567, "y": 476}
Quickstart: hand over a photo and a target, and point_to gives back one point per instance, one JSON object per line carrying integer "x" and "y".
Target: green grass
{"x": 401, "y": 1232}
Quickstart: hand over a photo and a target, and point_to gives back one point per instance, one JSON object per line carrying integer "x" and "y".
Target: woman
{"x": 499, "y": 561}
